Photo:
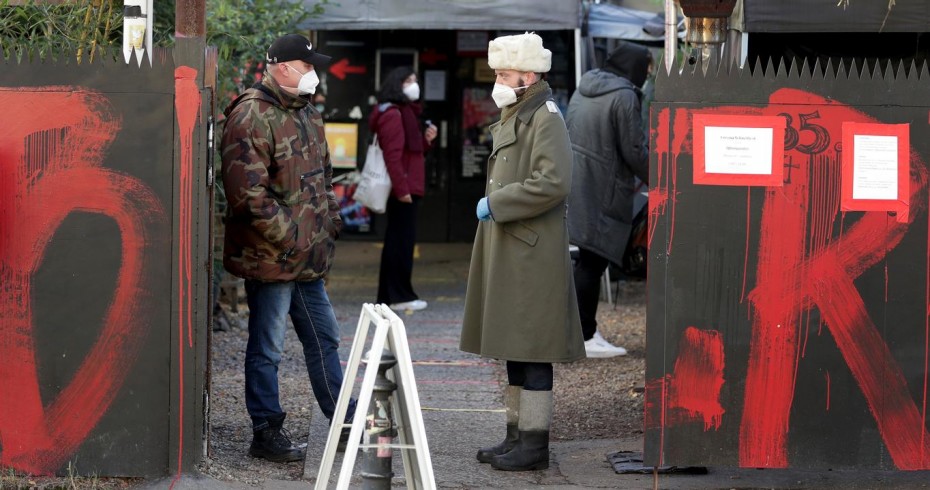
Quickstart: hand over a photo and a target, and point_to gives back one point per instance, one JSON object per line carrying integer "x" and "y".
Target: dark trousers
{"x": 397, "y": 255}
{"x": 532, "y": 376}
{"x": 588, "y": 270}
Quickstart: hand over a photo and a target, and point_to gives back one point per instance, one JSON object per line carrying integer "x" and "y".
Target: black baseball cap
{"x": 295, "y": 47}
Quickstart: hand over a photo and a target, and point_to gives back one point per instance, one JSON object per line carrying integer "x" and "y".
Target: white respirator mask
{"x": 308, "y": 82}
{"x": 504, "y": 95}
{"x": 412, "y": 91}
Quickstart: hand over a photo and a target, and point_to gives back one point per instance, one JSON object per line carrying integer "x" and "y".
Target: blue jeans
{"x": 316, "y": 327}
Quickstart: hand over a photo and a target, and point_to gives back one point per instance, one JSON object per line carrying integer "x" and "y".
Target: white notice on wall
{"x": 434, "y": 85}
{"x": 729, "y": 150}
{"x": 875, "y": 167}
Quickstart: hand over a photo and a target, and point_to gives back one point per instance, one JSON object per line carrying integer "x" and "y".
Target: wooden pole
{"x": 190, "y": 353}
{"x": 190, "y": 18}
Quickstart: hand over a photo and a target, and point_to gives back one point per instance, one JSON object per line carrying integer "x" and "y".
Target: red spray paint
{"x": 658, "y": 195}
{"x": 827, "y": 390}
{"x": 793, "y": 278}
{"x": 692, "y": 392}
{"x": 663, "y": 196}
{"x": 806, "y": 259}
{"x": 187, "y": 108}
{"x": 42, "y": 184}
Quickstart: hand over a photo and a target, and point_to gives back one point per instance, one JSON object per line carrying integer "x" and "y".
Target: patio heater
{"x": 707, "y": 24}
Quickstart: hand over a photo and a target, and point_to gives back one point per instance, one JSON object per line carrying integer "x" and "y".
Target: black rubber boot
{"x": 486, "y": 453}
{"x": 530, "y": 453}
{"x": 512, "y": 394}
{"x": 274, "y": 444}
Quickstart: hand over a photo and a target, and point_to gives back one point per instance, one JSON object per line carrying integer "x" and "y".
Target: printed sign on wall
{"x": 875, "y": 168}
{"x": 738, "y": 150}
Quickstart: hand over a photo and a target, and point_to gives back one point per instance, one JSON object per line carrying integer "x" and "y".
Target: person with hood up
{"x": 610, "y": 147}
{"x": 520, "y": 303}
{"x": 395, "y": 120}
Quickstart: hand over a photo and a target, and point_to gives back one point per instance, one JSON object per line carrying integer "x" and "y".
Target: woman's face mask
{"x": 412, "y": 91}
{"x": 308, "y": 82}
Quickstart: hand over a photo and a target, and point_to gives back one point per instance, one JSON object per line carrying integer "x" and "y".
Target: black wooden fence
{"x": 104, "y": 247}
{"x": 786, "y": 326}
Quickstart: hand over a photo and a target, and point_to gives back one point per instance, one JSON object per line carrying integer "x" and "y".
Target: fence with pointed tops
{"x": 789, "y": 268}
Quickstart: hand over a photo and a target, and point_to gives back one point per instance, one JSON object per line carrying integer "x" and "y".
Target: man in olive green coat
{"x": 521, "y": 304}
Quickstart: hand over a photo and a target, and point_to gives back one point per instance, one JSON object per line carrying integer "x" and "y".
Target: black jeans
{"x": 400, "y": 238}
{"x": 532, "y": 376}
{"x": 588, "y": 270}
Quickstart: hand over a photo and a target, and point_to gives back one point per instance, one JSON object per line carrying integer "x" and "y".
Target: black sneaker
{"x": 274, "y": 444}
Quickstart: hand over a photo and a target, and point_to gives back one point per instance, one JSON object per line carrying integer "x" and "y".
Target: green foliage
{"x": 241, "y": 30}
{"x": 241, "y": 36}
{"x": 83, "y": 29}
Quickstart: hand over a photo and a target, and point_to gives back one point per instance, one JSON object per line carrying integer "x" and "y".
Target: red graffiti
{"x": 187, "y": 108}
{"x": 796, "y": 275}
{"x": 663, "y": 196}
{"x": 807, "y": 260}
{"x": 53, "y": 142}
{"x": 827, "y": 377}
{"x": 692, "y": 391}
{"x": 658, "y": 195}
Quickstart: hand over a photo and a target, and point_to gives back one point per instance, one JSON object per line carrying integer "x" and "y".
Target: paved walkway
{"x": 462, "y": 408}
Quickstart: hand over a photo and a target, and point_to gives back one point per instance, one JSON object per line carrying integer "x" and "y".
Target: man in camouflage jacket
{"x": 281, "y": 226}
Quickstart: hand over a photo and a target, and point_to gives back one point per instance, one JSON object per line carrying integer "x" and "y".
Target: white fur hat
{"x": 521, "y": 52}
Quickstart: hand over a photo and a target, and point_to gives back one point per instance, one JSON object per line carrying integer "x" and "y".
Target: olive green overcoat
{"x": 520, "y": 304}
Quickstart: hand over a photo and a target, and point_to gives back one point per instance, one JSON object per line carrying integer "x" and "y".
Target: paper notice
{"x": 434, "y": 85}
{"x": 875, "y": 167}
{"x": 730, "y": 150}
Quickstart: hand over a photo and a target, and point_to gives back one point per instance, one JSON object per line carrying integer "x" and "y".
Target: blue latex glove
{"x": 484, "y": 210}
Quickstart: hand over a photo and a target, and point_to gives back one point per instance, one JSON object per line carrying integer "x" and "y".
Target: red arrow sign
{"x": 431, "y": 57}
{"x": 340, "y": 68}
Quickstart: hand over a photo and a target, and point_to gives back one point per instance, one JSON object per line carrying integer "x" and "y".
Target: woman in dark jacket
{"x": 395, "y": 121}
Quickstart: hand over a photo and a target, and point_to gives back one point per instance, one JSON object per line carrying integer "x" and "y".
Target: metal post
{"x": 379, "y": 430}
{"x": 671, "y": 35}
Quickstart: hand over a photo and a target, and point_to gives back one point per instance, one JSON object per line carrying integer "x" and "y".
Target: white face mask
{"x": 504, "y": 95}
{"x": 412, "y": 91}
{"x": 308, "y": 82}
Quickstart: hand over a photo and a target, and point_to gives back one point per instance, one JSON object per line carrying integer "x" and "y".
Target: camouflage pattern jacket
{"x": 282, "y": 218}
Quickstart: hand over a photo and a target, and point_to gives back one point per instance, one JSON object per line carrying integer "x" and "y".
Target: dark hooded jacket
{"x": 282, "y": 216}
{"x": 610, "y": 149}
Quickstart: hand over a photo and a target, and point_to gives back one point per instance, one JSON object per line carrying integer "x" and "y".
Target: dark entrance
{"x": 456, "y": 92}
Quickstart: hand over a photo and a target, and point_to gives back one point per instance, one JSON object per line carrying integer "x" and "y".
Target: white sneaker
{"x": 415, "y": 305}
{"x": 598, "y": 347}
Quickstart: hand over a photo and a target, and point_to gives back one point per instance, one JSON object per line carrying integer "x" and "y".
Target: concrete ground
{"x": 462, "y": 409}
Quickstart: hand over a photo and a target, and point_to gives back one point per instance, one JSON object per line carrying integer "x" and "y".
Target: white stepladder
{"x": 405, "y": 402}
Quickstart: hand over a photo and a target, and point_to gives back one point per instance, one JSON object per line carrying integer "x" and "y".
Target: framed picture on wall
{"x": 483, "y": 72}
{"x": 342, "y": 139}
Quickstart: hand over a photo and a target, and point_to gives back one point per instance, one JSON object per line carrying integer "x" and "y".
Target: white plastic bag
{"x": 375, "y": 184}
